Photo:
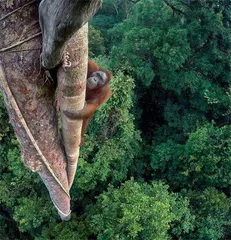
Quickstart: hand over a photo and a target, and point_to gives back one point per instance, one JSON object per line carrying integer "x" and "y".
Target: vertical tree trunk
{"x": 71, "y": 97}
{"x": 30, "y": 98}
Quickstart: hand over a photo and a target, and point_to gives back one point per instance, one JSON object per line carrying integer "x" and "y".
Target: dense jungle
{"x": 156, "y": 163}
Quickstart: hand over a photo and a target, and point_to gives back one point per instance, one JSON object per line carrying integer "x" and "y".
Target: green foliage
{"x": 204, "y": 161}
{"x": 213, "y": 214}
{"x": 184, "y": 48}
{"x": 32, "y": 212}
{"x": 135, "y": 211}
{"x": 113, "y": 12}
{"x": 5, "y": 128}
{"x": 96, "y": 42}
{"x": 208, "y": 151}
{"x": 72, "y": 230}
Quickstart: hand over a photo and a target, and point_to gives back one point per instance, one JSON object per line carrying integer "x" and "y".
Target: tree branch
{"x": 187, "y": 62}
{"x": 173, "y": 8}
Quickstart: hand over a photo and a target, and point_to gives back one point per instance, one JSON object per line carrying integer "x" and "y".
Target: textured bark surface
{"x": 31, "y": 97}
{"x": 59, "y": 20}
{"x": 71, "y": 97}
{"x": 35, "y": 98}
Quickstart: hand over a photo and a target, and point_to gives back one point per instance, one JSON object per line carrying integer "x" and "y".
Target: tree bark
{"x": 71, "y": 97}
{"x": 59, "y": 20}
{"x": 30, "y": 98}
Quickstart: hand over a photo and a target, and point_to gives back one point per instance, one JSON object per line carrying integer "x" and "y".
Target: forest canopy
{"x": 156, "y": 163}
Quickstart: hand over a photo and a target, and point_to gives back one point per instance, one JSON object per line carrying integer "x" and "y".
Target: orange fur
{"x": 92, "y": 67}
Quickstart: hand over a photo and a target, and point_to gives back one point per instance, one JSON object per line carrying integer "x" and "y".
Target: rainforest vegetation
{"x": 156, "y": 163}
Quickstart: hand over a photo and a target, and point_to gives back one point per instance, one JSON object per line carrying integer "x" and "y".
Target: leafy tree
{"x": 212, "y": 211}
{"x": 183, "y": 50}
{"x": 113, "y": 12}
{"x": 77, "y": 228}
{"x": 32, "y": 212}
{"x": 136, "y": 211}
{"x": 202, "y": 162}
{"x": 96, "y": 42}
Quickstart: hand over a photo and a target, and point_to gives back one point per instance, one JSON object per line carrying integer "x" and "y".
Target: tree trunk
{"x": 59, "y": 20}
{"x": 30, "y": 98}
{"x": 71, "y": 97}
